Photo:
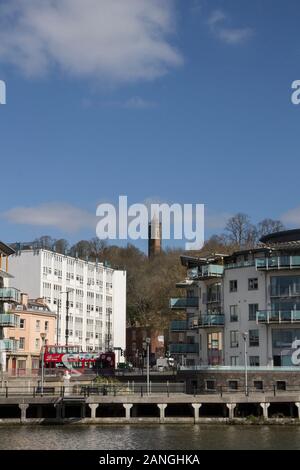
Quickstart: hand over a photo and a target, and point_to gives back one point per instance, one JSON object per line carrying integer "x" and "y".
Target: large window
{"x": 234, "y": 313}
{"x": 254, "y": 361}
{"x": 253, "y": 308}
{"x": 253, "y": 338}
{"x": 234, "y": 360}
{"x": 253, "y": 283}
{"x": 285, "y": 286}
{"x": 234, "y": 339}
{"x": 233, "y": 285}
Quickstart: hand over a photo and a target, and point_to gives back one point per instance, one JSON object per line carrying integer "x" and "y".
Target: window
{"x": 254, "y": 361}
{"x": 253, "y": 283}
{"x": 253, "y": 338}
{"x": 233, "y": 286}
{"x": 35, "y": 364}
{"x": 37, "y": 344}
{"x": 22, "y": 343}
{"x": 210, "y": 384}
{"x": 281, "y": 385}
{"x": 46, "y": 325}
{"x": 21, "y": 364}
{"x": 22, "y": 323}
{"x": 253, "y": 308}
{"x": 258, "y": 384}
{"x": 233, "y": 313}
{"x": 234, "y": 339}
{"x": 233, "y": 384}
{"x": 234, "y": 360}
{"x": 37, "y": 325}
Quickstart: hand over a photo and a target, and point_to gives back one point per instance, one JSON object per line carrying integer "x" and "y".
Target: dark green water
{"x": 150, "y": 437}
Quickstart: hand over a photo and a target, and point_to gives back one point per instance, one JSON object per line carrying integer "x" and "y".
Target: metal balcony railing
{"x": 206, "y": 271}
{"x": 210, "y": 320}
{"x": 183, "y": 348}
{"x": 278, "y": 316}
{"x": 182, "y": 303}
{"x": 278, "y": 262}
{"x": 178, "y": 325}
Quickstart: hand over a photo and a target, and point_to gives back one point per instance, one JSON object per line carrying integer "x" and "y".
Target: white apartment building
{"x": 246, "y": 305}
{"x": 96, "y": 294}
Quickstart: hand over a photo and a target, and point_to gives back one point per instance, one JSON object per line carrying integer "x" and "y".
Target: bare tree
{"x": 45, "y": 241}
{"x": 62, "y": 246}
{"x": 97, "y": 248}
{"x": 240, "y": 232}
{"x": 267, "y": 226}
{"x": 81, "y": 249}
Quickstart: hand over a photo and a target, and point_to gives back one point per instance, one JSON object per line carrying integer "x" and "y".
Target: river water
{"x": 152, "y": 437}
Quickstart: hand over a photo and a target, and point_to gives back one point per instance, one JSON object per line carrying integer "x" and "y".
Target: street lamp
{"x": 148, "y": 340}
{"x": 245, "y": 336}
{"x": 67, "y": 316}
{"x": 43, "y": 336}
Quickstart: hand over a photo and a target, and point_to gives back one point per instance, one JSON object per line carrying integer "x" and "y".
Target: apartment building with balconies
{"x": 9, "y": 296}
{"x": 250, "y": 295}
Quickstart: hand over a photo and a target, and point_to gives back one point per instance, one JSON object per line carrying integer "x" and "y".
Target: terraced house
{"x": 240, "y": 307}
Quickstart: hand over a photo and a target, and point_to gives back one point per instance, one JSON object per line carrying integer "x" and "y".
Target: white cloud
{"x": 217, "y": 16}
{"x": 62, "y": 216}
{"x": 291, "y": 217}
{"x": 114, "y": 41}
{"x": 235, "y": 36}
{"x": 230, "y": 35}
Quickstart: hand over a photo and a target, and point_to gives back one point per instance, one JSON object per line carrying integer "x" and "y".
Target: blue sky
{"x": 181, "y": 101}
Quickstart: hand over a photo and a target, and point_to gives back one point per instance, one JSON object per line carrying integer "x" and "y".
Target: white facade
{"x": 97, "y": 296}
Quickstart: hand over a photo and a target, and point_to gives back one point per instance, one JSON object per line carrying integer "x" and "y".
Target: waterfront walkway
{"x": 80, "y": 406}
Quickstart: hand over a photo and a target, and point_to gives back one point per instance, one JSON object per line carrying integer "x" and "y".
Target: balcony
{"x": 178, "y": 325}
{"x": 211, "y": 320}
{"x": 183, "y": 348}
{"x": 275, "y": 316}
{"x": 182, "y": 303}
{"x": 8, "y": 345}
{"x": 206, "y": 271}
{"x": 278, "y": 262}
{"x": 9, "y": 320}
{"x": 10, "y": 294}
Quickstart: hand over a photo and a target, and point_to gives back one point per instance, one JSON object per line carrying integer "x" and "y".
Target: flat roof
{"x": 282, "y": 236}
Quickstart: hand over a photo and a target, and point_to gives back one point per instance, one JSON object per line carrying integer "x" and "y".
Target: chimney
{"x": 24, "y": 299}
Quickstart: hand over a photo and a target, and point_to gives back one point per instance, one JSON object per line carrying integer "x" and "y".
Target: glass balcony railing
{"x": 9, "y": 345}
{"x": 9, "y": 320}
{"x": 278, "y": 262}
{"x": 178, "y": 325}
{"x": 10, "y": 294}
{"x": 211, "y": 320}
{"x": 278, "y": 316}
{"x": 205, "y": 271}
{"x": 183, "y": 303}
{"x": 183, "y": 348}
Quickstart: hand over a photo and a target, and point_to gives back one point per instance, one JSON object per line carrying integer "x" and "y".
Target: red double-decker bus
{"x": 72, "y": 357}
